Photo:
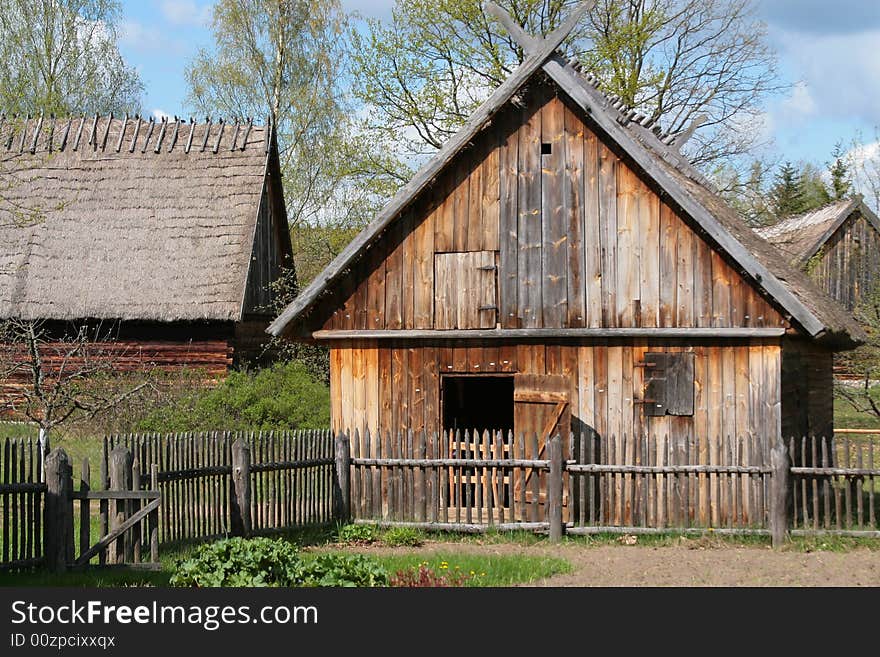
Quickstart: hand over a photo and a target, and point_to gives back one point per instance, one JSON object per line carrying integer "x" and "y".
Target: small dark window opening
{"x": 546, "y": 148}
{"x": 478, "y": 403}
{"x": 669, "y": 383}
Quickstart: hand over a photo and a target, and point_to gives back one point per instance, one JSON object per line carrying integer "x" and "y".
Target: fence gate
{"x": 128, "y": 516}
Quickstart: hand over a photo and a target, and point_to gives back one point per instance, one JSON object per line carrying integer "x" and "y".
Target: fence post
{"x": 342, "y": 487}
{"x": 84, "y": 508}
{"x": 779, "y": 490}
{"x": 240, "y": 504}
{"x": 120, "y": 479}
{"x": 154, "y": 517}
{"x": 554, "y": 489}
{"x": 58, "y": 511}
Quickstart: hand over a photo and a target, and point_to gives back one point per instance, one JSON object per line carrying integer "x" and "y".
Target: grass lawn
{"x": 474, "y": 570}
{"x": 846, "y": 417}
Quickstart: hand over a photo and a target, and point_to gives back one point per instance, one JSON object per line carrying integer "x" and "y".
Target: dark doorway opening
{"x": 478, "y": 403}
{"x": 472, "y": 405}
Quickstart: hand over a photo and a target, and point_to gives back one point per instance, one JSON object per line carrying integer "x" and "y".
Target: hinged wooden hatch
{"x": 465, "y": 290}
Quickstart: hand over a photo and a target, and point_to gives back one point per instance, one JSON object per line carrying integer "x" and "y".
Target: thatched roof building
{"x": 173, "y": 228}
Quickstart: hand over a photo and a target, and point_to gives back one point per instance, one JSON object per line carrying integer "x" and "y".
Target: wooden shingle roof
{"x": 801, "y": 236}
{"x": 128, "y": 219}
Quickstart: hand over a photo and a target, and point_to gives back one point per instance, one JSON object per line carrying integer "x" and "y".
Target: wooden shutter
{"x": 669, "y": 383}
{"x": 465, "y": 290}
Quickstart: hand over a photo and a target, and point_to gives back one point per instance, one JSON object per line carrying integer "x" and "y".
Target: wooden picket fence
{"x": 835, "y": 485}
{"x": 287, "y": 484}
{"x": 474, "y": 481}
{"x": 21, "y": 496}
{"x": 491, "y": 478}
{"x": 201, "y": 486}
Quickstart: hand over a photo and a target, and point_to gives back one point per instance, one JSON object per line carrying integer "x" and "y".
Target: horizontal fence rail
{"x": 289, "y": 481}
{"x": 21, "y": 496}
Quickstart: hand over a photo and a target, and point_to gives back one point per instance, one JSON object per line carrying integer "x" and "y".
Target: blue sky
{"x": 829, "y": 49}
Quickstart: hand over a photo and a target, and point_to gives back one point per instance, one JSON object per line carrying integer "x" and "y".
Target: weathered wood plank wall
{"x": 396, "y": 386}
{"x": 581, "y": 241}
{"x": 848, "y": 265}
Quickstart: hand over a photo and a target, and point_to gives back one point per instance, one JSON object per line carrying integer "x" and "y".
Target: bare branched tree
{"x": 423, "y": 74}
{"x": 863, "y": 393}
{"x": 50, "y": 378}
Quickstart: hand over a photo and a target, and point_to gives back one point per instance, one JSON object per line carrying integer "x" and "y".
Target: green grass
{"x": 846, "y": 417}
{"x": 488, "y": 570}
{"x": 17, "y": 430}
{"x": 479, "y": 570}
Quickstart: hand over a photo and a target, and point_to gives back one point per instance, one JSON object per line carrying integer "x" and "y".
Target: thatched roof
{"x": 128, "y": 219}
{"x": 801, "y": 236}
{"x": 658, "y": 156}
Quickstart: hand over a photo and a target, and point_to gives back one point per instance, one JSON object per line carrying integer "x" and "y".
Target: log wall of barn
{"x": 848, "y": 266}
{"x": 580, "y": 241}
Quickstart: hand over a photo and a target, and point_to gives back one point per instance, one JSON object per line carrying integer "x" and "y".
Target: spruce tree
{"x": 786, "y": 195}
{"x": 838, "y": 169}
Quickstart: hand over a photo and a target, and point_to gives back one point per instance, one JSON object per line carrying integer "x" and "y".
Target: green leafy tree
{"x": 423, "y": 74}
{"x": 747, "y": 193}
{"x": 61, "y": 57}
{"x": 288, "y": 58}
{"x": 278, "y": 58}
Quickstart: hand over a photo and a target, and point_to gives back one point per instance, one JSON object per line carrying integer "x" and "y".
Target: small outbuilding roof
{"x": 128, "y": 219}
{"x": 801, "y": 236}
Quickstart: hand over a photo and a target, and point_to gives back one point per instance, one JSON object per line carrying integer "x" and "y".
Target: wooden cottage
{"x": 559, "y": 263}
{"x": 167, "y": 233}
{"x": 838, "y": 246}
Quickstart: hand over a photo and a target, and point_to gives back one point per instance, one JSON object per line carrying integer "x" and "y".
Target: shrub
{"x": 422, "y": 576}
{"x": 344, "y": 570}
{"x": 272, "y": 562}
{"x": 357, "y": 534}
{"x": 403, "y": 537}
{"x": 241, "y": 562}
{"x": 281, "y": 397}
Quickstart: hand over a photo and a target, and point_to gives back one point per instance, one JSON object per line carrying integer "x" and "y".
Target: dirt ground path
{"x": 692, "y": 564}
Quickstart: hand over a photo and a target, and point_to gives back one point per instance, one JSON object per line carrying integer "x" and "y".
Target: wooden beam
{"x": 117, "y": 532}
{"x": 426, "y": 175}
{"x": 543, "y": 334}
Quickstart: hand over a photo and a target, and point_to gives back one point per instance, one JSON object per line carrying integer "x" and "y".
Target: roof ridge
{"x": 40, "y": 133}
{"x": 843, "y": 202}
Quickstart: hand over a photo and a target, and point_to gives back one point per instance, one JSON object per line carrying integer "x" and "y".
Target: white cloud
{"x": 160, "y": 115}
{"x": 841, "y": 74}
{"x": 186, "y": 13}
{"x": 143, "y": 39}
{"x": 864, "y": 163}
{"x": 800, "y": 102}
